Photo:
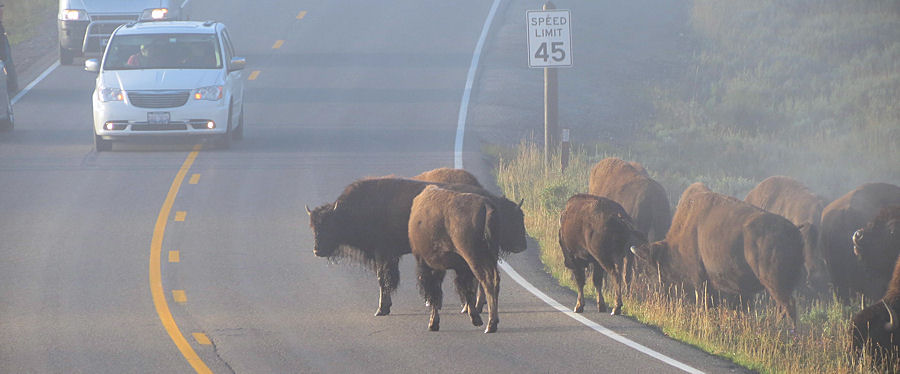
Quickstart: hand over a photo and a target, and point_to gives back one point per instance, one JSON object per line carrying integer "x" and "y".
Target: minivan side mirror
{"x": 237, "y": 63}
{"x": 92, "y": 65}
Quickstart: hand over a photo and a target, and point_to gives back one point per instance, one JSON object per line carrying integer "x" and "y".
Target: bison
{"x": 456, "y": 230}
{"x": 790, "y": 199}
{"x": 840, "y": 220}
{"x": 876, "y": 326}
{"x": 448, "y": 175}
{"x": 628, "y": 184}
{"x": 878, "y": 244}
{"x": 596, "y": 231}
{"x": 369, "y": 222}
{"x": 730, "y": 246}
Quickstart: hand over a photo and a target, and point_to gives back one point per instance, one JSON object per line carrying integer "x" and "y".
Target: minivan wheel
{"x": 101, "y": 145}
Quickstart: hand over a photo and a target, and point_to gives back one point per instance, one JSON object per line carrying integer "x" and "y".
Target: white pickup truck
{"x": 85, "y": 25}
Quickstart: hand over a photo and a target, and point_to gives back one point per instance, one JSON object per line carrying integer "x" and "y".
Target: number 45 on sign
{"x": 549, "y": 38}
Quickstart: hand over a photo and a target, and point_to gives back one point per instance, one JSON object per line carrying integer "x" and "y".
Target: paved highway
{"x": 175, "y": 257}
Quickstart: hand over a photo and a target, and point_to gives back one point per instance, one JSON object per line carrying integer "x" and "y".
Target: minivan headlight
{"x": 73, "y": 15}
{"x": 211, "y": 93}
{"x": 111, "y": 94}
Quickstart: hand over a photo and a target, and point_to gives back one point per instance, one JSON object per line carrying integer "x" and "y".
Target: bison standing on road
{"x": 369, "y": 222}
{"x": 878, "y": 325}
{"x": 596, "y": 231}
{"x": 878, "y": 244}
{"x": 790, "y": 199}
{"x": 454, "y": 230}
{"x": 840, "y": 220}
{"x": 733, "y": 247}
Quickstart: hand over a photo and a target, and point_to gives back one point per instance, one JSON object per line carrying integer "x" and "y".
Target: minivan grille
{"x": 164, "y": 99}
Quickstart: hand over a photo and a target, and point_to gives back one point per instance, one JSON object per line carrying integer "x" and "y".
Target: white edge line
{"x": 458, "y": 163}
{"x": 34, "y": 83}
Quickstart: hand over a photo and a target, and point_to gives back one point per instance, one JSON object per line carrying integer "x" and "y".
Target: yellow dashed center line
{"x": 301, "y": 14}
{"x": 194, "y": 179}
{"x": 156, "y": 289}
{"x": 253, "y": 75}
{"x": 179, "y": 296}
{"x": 180, "y": 216}
{"x": 201, "y": 338}
{"x": 174, "y": 256}
{"x": 278, "y": 44}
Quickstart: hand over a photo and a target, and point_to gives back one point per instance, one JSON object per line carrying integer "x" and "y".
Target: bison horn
{"x": 335, "y": 205}
{"x": 890, "y": 326}
{"x": 633, "y": 250}
{"x": 521, "y": 202}
{"x": 857, "y": 235}
{"x": 309, "y": 212}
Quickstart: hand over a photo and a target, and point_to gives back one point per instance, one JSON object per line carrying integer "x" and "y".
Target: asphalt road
{"x": 170, "y": 257}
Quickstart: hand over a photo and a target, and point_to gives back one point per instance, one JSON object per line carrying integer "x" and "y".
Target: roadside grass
{"x": 21, "y": 18}
{"x": 752, "y": 338}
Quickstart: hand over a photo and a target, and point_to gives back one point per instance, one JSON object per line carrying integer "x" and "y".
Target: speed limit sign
{"x": 549, "y": 38}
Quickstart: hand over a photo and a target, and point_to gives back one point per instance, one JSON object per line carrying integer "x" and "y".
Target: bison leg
{"x": 465, "y": 285}
{"x": 491, "y": 283}
{"x": 388, "y": 279}
{"x": 618, "y": 280}
{"x": 430, "y": 281}
{"x": 628, "y": 273}
{"x": 597, "y": 274}
{"x": 578, "y": 274}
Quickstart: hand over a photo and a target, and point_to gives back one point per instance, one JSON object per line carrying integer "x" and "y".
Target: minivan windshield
{"x": 163, "y": 51}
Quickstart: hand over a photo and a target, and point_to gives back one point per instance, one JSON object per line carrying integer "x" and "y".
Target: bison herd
{"x": 781, "y": 238}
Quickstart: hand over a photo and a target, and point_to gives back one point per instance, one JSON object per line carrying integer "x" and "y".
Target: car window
{"x": 163, "y": 51}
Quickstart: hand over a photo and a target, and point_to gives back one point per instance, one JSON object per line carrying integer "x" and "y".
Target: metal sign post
{"x": 549, "y": 47}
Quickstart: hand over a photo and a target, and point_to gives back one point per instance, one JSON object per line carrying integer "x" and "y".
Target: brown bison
{"x": 790, "y": 199}
{"x": 729, "y": 246}
{"x": 369, "y": 223}
{"x": 840, "y": 220}
{"x": 878, "y": 244}
{"x": 876, "y": 326}
{"x": 448, "y": 175}
{"x": 456, "y": 230}
{"x": 596, "y": 231}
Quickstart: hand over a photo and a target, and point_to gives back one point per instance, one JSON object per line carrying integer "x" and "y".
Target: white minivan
{"x": 169, "y": 78}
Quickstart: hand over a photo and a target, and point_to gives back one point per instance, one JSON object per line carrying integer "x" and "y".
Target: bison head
{"x": 878, "y": 244}
{"x": 651, "y": 257}
{"x": 513, "y": 237}
{"x": 324, "y": 223}
{"x": 817, "y": 278}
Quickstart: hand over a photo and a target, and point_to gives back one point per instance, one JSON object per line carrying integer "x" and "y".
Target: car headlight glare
{"x": 73, "y": 15}
{"x": 211, "y": 93}
{"x": 157, "y": 14}
{"x": 111, "y": 94}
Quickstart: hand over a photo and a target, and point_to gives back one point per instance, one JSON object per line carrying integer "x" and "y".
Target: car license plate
{"x": 158, "y": 118}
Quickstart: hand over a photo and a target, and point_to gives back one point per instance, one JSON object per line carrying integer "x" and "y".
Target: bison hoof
{"x": 579, "y": 309}
{"x": 465, "y": 309}
{"x": 476, "y": 320}
{"x": 601, "y": 308}
{"x": 491, "y": 328}
{"x": 434, "y": 327}
{"x": 383, "y": 312}
{"x": 616, "y": 311}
